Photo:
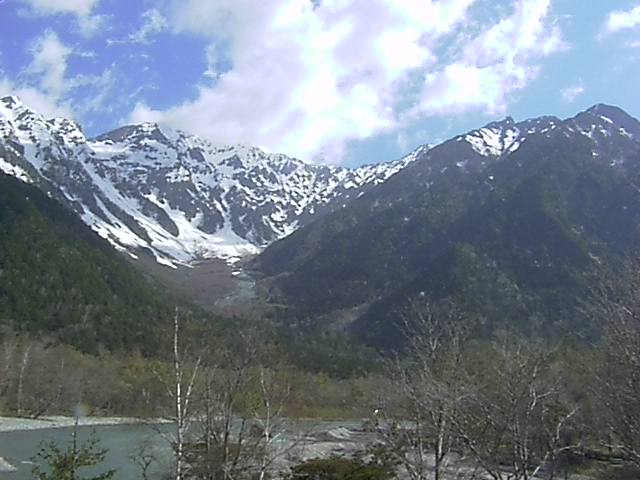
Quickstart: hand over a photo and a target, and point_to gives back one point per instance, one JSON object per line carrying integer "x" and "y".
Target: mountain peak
{"x": 600, "y": 108}
{"x": 505, "y": 122}
{"x": 11, "y": 101}
{"x": 12, "y": 106}
{"x": 135, "y": 132}
{"x": 609, "y": 118}
{"x": 609, "y": 112}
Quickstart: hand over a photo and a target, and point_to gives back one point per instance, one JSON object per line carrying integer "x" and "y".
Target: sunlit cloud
{"x": 307, "y": 78}
{"x": 622, "y": 20}
{"x": 572, "y": 92}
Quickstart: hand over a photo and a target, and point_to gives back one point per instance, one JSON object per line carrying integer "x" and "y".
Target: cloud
{"x": 43, "y": 84}
{"x": 402, "y": 140}
{"x": 36, "y": 99}
{"x": 307, "y": 77}
{"x": 54, "y": 7}
{"x": 88, "y": 24}
{"x": 493, "y": 65}
{"x": 142, "y": 114}
{"x": 153, "y": 22}
{"x": 622, "y": 20}
{"x": 46, "y": 85}
{"x": 91, "y": 25}
{"x": 571, "y": 93}
{"x": 49, "y": 64}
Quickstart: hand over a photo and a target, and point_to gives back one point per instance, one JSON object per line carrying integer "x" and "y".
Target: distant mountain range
{"x": 177, "y": 196}
{"x": 510, "y": 220}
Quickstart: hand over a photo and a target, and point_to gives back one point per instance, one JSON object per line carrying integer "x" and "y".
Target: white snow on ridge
{"x": 14, "y": 170}
{"x": 177, "y": 195}
{"x": 494, "y": 141}
{"x": 148, "y": 187}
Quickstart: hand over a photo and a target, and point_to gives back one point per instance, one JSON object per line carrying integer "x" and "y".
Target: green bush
{"x": 340, "y": 468}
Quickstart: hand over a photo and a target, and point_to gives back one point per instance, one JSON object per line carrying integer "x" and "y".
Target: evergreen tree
{"x": 65, "y": 464}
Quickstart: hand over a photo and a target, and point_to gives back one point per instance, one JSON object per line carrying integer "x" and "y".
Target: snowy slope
{"x": 173, "y": 194}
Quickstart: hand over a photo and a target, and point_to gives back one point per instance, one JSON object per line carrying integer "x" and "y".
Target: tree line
{"x": 451, "y": 405}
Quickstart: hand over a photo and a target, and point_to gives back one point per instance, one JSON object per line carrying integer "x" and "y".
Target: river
{"x": 122, "y": 441}
{"x": 313, "y": 438}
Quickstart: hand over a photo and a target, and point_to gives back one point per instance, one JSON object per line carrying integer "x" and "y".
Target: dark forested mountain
{"x": 510, "y": 220}
{"x": 59, "y": 278}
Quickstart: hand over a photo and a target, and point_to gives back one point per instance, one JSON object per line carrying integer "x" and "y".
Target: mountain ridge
{"x": 147, "y": 187}
{"x": 450, "y": 225}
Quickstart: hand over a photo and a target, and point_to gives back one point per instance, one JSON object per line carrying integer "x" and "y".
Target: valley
{"x": 147, "y": 269}
{"x": 319, "y": 240}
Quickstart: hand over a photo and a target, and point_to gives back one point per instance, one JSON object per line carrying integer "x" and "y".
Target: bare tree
{"x": 268, "y": 416}
{"x": 430, "y": 383}
{"x": 9, "y": 349}
{"x": 144, "y": 457}
{"x": 218, "y": 453}
{"x": 617, "y": 386}
{"x": 182, "y": 396}
{"x": 21, "y": 374}
{"x": 180, "y": 390}
{"x": 515, "y": 424}
{"x": 242, "y": 423}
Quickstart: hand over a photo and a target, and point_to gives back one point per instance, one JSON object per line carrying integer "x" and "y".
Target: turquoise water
{"x": 121, "y": 441}
{"x": 124, "y": 441}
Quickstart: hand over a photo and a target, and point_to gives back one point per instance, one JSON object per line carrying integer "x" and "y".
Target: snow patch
{"x": 14, "y": 170}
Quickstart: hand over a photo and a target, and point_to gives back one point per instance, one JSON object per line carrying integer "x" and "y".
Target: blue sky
{"x": 332, "y": 81}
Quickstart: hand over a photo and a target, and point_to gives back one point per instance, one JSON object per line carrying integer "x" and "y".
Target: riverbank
{"x": 12, "y": 424}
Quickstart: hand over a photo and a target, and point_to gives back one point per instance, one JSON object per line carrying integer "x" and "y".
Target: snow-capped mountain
{"x": 173, "y": 194}
{"x": 608, "y": 132}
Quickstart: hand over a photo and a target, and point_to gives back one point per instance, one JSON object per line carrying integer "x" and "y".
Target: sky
{"x": 343, "y": 82}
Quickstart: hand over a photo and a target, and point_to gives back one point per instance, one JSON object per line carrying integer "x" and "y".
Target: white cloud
{"x": 43, "y": 83}
{"x": 54, "y": 7}
{"x": 142, "y": 114}
{"x": 88, "y": 24}
{"x": 46, "y": 86}
{"x": 571, "y": 93}
{"x": 153, "y": 22}
{"x": 493, "y": 65}
{"x": 622, "y": 20}
{"x": 306, "y": 78}
{"x": 49, "y": 64}
{"x": 402, "y": 140}
{"x": 36, "y": 99}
